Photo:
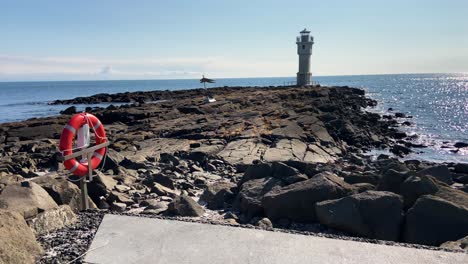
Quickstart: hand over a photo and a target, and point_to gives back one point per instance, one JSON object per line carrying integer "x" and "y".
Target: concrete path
{"x": 127, "y": 239}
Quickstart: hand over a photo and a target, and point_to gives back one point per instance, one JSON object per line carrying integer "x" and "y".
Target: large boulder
{"x": 53, "y": 219}
{"x": 286, "y": 173}
{"x": 18, "y": 243}
{"x": 278, "y": 170}
{"x": 63, "y": 191}
{"x": 297, "y": 201}
{"x": 216, "y": 195}
{"x": 391, "y": 180}
{"x": 366, "y": 177}
{"x": 433, "y": 220}
{"x": 415, "y": 186}
{"x": 371, "y": 214}
{"x": 185, "y": 206}
{"x": 392, "y": 164}
{"x": 257, "y": 171}
{"x": 440, "y": 172}
{"x": 249, "y": 198}
{"x": 26, "y": 198}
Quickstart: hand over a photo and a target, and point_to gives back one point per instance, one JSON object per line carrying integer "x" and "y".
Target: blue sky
{"x": 89, "y": 39}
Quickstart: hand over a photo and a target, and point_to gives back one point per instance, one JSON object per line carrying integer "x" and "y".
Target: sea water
{"x": 438, "y": 103}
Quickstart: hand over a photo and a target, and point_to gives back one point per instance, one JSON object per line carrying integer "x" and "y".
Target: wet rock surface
{"x": 271, "y": 158}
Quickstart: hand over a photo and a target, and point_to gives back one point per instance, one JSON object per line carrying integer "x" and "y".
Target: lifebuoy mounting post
{"x": 91, "y": 157}
{"x": 88, "y": 153}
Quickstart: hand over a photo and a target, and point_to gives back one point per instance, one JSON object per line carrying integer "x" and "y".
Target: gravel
{"x": 70, "y": 243}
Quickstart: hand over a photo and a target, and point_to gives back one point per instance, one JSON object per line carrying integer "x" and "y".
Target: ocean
{"x": 437, "y": 102}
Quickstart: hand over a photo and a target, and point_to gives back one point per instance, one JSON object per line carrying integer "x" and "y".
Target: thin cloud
{"x": 76, "y": 68}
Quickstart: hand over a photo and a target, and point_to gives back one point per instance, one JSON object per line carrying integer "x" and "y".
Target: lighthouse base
{"x": 304, "y": 78}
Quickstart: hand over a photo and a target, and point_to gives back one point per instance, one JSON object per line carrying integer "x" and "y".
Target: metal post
{"x": 84, "y": 183}
{"x": 84, "y": 194}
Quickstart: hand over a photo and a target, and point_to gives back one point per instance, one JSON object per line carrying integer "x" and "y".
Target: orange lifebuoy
{"x": 68, "y": 135}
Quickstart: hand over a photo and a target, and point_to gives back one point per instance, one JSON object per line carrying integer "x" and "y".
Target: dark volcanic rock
{"x": 216, "y": 195}
{"x": 433, "y": 221}
{"x": 278, "y": 170}
{"x": 297, "y": 201}
{"x": 257, "y": 171}
{"x": 440, "y": 172}
{"x": 415, "y": 186}
{"x": 400, "y": 150}
{"x": 461, "y": 167}
{"x": 190, "y": 110}
{"x": 286, "y": 173}
{"x": 391, "y": 181}
{"x": 249, "y": 199}
{"x": 69, "y": 111}
{"x": 371, "y": 214}
{"x": 366, "y": 177}
{"x": 185, "y": 206}
{"x": 460, "y": 145}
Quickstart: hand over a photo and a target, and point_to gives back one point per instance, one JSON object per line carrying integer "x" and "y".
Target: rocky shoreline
{"x": 267, "y": 157}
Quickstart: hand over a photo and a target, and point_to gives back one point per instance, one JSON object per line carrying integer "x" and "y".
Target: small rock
{"x": 69, "y": 111}
{"x": 118, "y": 207}
{"x": 168, "y": 158}
{"x": 122, "y": 188}
{"x": 185, "y": 206}
{"x": 195, "y": 145}
{"x": 460, "y": 244}
{"x": 400, "y": 150}
{"x": 210, "y": 167}
{"x": 103, "y": 205}
{"x": 194, "y": 167}
{"x": 231, "y": 221}
{"x": 264, "y": 223}
{"x": 217, "y": 194}
{"x": 461, "y": 145}
{"x": 162, "y": 190}
{"x": 362, "y": 187}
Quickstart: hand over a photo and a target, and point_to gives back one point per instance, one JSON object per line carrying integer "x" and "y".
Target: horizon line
{"x": 221, "y": 78}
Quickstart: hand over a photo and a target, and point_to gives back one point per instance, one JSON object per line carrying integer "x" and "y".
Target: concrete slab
{"x": 126, "y": 239}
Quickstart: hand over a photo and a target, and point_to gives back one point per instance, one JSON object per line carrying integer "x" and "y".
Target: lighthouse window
{"x": 303, "y": 46}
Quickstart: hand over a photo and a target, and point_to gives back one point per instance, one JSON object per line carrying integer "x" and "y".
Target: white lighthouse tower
{"x": 304, "y": 50}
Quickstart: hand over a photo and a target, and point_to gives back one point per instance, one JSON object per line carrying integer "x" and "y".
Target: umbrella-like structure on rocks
{"x": 209, "y": 99}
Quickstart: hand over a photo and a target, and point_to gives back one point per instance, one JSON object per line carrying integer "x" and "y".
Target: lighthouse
{"x": 304, "y": 50}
